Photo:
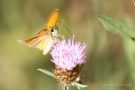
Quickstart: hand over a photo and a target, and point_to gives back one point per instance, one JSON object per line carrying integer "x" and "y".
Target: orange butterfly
{"x": 45, "y": 38}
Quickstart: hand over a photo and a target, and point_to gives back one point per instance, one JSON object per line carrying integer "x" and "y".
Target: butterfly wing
{"x": 44, "y": 42}
{"x": 49, "y": 43}
{"x": 28, "y": 41}
{"x": 38, "y": 42}
{"x": 32, "y": 41}
{"x": 52, "y": 20}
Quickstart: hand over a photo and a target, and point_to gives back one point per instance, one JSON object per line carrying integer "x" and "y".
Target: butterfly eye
{"x": 52, "y": 30}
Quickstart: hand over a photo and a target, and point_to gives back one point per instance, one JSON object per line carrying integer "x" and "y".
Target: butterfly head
{"x": 53, "y": 31}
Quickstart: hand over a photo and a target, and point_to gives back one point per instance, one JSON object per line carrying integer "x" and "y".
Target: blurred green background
{"x": 109, "y": 56}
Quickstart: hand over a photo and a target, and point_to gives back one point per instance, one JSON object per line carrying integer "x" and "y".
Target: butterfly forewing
{"x": 28, "y": 41}
{"x": 52, "y": 20}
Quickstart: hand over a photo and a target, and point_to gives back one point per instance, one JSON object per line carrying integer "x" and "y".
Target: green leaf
{"x": 47, "y": 72}
{"x": 116, "y": 26}
{"x": 129, "y": 47}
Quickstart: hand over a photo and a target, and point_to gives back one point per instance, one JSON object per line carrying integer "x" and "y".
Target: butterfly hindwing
{"x": 49, "y": 43}
{"x": 39, "y": 42}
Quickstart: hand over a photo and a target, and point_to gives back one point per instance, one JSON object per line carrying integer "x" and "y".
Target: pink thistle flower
{"x": 67, "y": 55}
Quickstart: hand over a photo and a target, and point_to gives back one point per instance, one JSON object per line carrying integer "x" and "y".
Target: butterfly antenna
{"x": 66, "y": 28}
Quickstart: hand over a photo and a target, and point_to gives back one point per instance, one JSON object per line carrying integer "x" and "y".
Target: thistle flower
{"x": 67, "y": 57}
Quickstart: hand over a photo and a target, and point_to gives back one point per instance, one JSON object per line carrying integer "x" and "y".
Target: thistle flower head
{"x": 68, "y": 55}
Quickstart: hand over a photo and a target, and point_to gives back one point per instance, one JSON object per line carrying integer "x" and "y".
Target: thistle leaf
{"x": 116, "y": 26}
{"x": 47, "y": 72}
{"x": 79, "y": 86}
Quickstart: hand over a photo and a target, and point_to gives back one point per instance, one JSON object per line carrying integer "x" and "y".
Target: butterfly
{"x": 45, "y": 38}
